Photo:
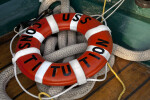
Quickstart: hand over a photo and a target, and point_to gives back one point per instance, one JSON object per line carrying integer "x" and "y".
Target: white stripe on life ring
{"x": 106, "y": 54}
{"x": 41, "y": 71}
{"x": 37, "y": 35}
{"x": 53, "y": 24}
{"x": 95, "y": 30}
{"x": 25, "y": 52}
{"x": 74, "y": 24}
{"x": 78, "y": 71}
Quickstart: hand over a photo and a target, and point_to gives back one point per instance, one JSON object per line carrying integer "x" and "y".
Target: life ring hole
{"x": 77, "y": 42}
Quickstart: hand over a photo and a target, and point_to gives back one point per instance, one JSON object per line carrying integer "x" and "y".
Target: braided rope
{"x": 68, "y": 50}
{"x": 5, "y": 76}
{"x": 66, "y": 38}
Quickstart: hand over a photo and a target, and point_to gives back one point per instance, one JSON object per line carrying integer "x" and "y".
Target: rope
{"x": 5, "y": 76}
{"x": 131, "y": 55}
{"x": 55, "y": 96}
{"x": 61, "y": 43}
{"x": 68, "y": 89}
{"x": 49, "y": 48}
{"x": 104, "y": 8}
{"x": 78, "y": 92}
{"x": 117, "y": 3}
{"x": 43, "y": 93}
{"x": 105, "y": 1}
{"x": 124, "y": 88}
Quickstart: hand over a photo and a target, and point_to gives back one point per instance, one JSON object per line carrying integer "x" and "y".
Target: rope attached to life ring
{"x": 117, "y": 50}
{"x": 43, "y": 93}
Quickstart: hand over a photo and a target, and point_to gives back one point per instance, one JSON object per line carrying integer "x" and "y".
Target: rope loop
{"x": 71, "y": 87}
{"x": 119, "y": 3}
{"x": 43, "y": 93}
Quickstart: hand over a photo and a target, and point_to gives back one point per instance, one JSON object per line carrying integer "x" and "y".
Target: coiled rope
{"x": 62, "y": 42}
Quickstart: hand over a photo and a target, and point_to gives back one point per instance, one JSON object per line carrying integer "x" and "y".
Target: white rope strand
{"x": 59, "y": 94}
{"x": 100, "y": 80}
{"x": 74, "y": 85}
{"x": 68, "y": 89}
{"x": 13, "y": 40}
{"x": 115, "y": 9}
{"x": 99, "y": 16}
{"x": 117, "y": 50}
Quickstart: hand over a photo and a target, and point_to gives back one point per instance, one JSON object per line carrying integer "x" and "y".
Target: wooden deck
{"x": 135, "y": 76}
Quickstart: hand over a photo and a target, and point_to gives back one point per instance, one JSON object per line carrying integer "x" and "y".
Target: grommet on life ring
{"x": 31, "y": 63}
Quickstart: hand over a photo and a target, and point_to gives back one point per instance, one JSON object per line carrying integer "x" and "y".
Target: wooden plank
{"x": 132, "y": 76}
{"x": 111, "y": 88}
{"x": 14, "y": 89}
{"x": 17, "y": 92}
{"x": 119, "y": 65}
{"x": 25, "y": 96}
{"x": 6, "y": 37}
{"x": 6, "y": 58}
{"x": 143, "y": 93}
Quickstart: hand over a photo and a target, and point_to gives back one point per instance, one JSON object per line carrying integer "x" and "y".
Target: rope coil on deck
{"x": 62, "y": 43}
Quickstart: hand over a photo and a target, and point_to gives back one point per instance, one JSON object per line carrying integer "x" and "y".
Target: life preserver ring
{"x": 31, "y": 63}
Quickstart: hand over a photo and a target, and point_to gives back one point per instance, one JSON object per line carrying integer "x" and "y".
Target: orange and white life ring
{"x": 31, "y": 63}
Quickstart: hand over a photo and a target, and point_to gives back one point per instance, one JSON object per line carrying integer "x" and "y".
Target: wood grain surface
{"x": 135, "y": 76}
